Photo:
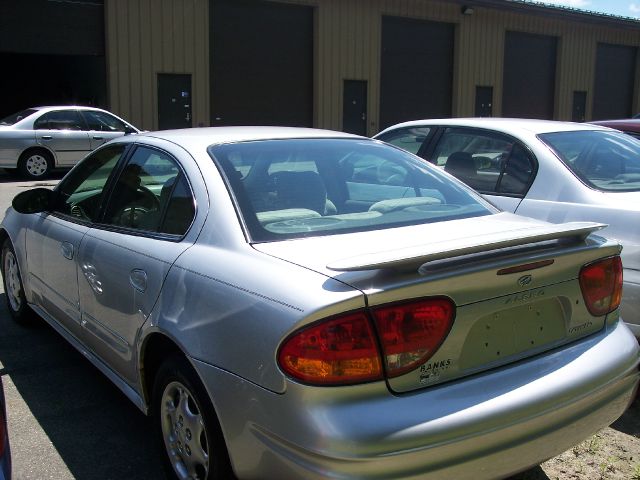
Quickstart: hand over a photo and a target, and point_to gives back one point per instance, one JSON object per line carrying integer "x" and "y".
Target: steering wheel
{"x": 130, "y": 215}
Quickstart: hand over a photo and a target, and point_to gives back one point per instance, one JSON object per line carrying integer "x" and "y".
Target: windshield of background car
{"x": 310, "y": 187}
{"x": 16, "y": 117}
{"x": 606, "y": 161}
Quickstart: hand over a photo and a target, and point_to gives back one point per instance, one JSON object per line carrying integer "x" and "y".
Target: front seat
{"x": 461, "y": 165}
{"x": 300, "y": 190}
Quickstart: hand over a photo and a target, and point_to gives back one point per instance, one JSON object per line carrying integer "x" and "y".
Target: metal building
{"x": 354, "y": 65}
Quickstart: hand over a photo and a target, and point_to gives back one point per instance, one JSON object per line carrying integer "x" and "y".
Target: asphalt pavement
{"x": 65, "y": 419}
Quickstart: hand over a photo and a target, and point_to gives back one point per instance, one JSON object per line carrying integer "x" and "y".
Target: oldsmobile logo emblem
{"x": 525, "y": 280}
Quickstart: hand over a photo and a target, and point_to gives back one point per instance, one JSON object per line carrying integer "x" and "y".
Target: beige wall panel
{"x": 147, "y": 37}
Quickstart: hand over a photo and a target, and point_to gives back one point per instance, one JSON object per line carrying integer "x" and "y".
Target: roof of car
{"x": 507, "y": 125}
{"x": 64, "y": 107}
{"x": 622, "y": 124}
{"x": 204, "y": 137}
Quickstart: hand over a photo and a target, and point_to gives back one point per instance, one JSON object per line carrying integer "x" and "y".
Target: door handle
{"x": 47, "y": 137}
{"x": 138, "y": 280}
{"x": 98, "y": 138}
{"x": 66, "y": 249}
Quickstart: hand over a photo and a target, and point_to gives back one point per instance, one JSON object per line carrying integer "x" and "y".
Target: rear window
{"x": 16, "y": 117}
{"x": 307, "y": 187}
{"x": 606, "y": 161}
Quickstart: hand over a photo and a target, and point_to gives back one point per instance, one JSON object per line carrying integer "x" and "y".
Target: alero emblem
{"x": 525, "y": 280}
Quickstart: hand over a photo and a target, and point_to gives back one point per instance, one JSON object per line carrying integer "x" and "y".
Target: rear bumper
{"x": 490, "y": 425}
{"x": 630, "y": 307}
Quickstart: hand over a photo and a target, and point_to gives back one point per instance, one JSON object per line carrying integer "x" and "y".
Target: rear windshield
{"x": 16, "y": 117}
{"x": 606, "y": 161}
{"x": 307, "y": 187}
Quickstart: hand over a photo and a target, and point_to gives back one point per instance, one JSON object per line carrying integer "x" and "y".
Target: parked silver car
{"x": 285, "y": 308}
{"x": 38, "y": 139}
{"x": 553, "y": 171}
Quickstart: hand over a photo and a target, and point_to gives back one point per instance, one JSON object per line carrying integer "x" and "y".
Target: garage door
{"x": 529, "y": 75}
{"x": 416, "y": 71}
{"x": 615, "y": 76}
{"x": 262, "y": 63}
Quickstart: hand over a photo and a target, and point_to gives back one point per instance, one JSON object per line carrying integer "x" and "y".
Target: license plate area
{"x": 514, "y": 331}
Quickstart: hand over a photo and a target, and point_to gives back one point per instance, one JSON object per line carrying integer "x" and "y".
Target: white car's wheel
{"x": 35, "y": 164}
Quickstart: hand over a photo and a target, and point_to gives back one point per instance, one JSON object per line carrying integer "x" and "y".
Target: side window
{"x": 60, "y": 120}
{"x": 409, "y": 139}
{"x": 151, "y": 194}
{"x": 486, "y": 161}
{"x": 103, "y": 122}
{"x": 373, "y": 170}
{"x": 80, "y": 193}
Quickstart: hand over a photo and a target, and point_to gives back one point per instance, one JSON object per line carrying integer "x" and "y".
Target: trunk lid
{"x": 514, "y": 282}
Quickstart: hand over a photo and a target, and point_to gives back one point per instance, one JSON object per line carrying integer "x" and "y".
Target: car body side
{"x": 22, "y": 137}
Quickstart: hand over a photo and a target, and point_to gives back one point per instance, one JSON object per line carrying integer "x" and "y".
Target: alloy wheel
{"x": 184, "y": 433}
{"x": 12, "y": 281}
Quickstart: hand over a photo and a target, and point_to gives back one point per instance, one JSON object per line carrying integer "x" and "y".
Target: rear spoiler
{"x": 431, "y": 251}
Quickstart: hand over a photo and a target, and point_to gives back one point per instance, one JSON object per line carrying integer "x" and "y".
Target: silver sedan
{"x": 296, "y": 303}
{"x": 553, "y": 171}
{"x": 36, "y": 140}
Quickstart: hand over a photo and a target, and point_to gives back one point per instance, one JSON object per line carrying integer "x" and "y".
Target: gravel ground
{"x": 611, "y": 454}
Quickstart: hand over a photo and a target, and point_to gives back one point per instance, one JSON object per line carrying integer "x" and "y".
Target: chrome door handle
{"x": 138, "y": 280}
{"x": 66, "y": 249}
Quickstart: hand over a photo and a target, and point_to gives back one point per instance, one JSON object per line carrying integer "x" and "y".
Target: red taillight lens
{"x": 338, "y": 351}
{"x": 601, "y": 285}
{"x": 411, "y": 333}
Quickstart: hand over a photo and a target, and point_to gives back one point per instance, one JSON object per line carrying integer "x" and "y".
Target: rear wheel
{"x": 187, "y": 425}
{"x": 35, "y": 164}
{"x": 14, "y": 293}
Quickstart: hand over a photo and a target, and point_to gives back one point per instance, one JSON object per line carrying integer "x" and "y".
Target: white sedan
{"x": 553, "y": 171}
{"x": 38, "y": 139}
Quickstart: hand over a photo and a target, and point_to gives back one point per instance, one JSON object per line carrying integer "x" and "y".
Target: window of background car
{"x": 16, "y": 117}
{"x": 151, "y": 194}
{"x": 409, "y": 139}
{"x": 607, "y": 161}
{"x": 306, "y": 187}
{"x": 103, "y": 122}
{"x": 80, "y": 192}
{"x": 486, "y": 161}
{"x": 60, "y": 120}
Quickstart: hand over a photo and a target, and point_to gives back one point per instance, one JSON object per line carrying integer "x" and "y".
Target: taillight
{"x": 411, "y": 332}
{"x": 344, "y": 350}
{"x": 601, "y": 285}
{"x": 338, "y": 351}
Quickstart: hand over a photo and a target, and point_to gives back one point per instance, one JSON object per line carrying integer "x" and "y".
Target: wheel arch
{"x": 157, "y": 347}
{"x": 39, "y": 148}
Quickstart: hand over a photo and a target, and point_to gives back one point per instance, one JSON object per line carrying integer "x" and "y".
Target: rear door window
{"x": 489, "y": 162}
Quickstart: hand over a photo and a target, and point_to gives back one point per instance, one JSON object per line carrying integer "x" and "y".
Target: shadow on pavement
{"x": 96, "y": 430}
{"x": 54, "y": 177}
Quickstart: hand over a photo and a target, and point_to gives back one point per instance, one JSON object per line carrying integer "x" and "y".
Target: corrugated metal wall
{"x": 147, "y": 37}
{"x": 171, "y": 36}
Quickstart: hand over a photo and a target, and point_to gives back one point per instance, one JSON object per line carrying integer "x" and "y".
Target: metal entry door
{"x": 174, "y": 101}
{"x": 354, "y": 107}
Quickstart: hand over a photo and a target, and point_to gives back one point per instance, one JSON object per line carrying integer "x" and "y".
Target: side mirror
{"x": 129, "y": 130}
{"x": 33, "y": 201}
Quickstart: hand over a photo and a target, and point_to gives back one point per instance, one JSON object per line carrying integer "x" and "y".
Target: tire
{"x": 35, "y": 164}
{"x": 186, "y": 425}
{"x": 14, "y": 291}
